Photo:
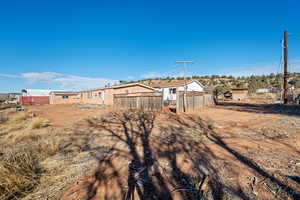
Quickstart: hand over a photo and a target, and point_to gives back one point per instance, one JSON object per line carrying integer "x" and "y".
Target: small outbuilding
{"x": 239, "y": 93}
{"x": 34, "y": 96}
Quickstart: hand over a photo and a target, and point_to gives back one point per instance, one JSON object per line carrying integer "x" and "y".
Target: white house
{"x": 170, "y": 90}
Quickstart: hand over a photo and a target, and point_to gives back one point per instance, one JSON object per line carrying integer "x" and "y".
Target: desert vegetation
{"x": 223, "y": 82}
{"x": 21, "y": 153}
{"x": 28, "y": 149}
{"x": 253, "y": 154}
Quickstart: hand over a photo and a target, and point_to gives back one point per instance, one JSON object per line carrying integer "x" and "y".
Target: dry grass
{"x": 22, "y": 150}
{"x": 10, "y": 111}
{"x": 20, "y": 168}
{"x": 39, "y": 122}
{"x": 3, "y": 118}
{"x": 17, "y": 121}
{"x": 21, "y": 120}
{"x": 4, "y": 115}
{"x": 19, "y": 172}
{"x": 46, "y": 147}
{"x": 18, "y": 117}
{"x": 25, "y": 151}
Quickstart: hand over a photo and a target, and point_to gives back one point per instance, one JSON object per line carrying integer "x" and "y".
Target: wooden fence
{"x": 144, "y": 101}
{"x": 192, "y": 101}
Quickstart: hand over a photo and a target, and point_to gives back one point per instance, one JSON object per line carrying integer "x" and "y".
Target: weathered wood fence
{"x": 144, "y": 101}
{"x": 191, "y": 101}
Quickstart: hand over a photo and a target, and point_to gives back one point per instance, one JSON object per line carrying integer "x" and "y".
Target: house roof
{"x": 176, "y": 83}
{"x": 36, "y": 92}
{"x": 132, "y": 84}
{"x": 64, "y": 92}
{"x": 122, "y": 86}
{"x": 239, "y": 89}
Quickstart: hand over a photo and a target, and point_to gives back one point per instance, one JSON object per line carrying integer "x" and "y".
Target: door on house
{"x": 101, "y": 96}
{"x": 172, "y": 96}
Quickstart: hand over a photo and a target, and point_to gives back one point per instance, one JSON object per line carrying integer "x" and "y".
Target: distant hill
{"x": 271, "y": 81}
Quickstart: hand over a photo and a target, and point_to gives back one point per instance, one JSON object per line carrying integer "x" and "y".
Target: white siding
{"x": 192, "y": 86}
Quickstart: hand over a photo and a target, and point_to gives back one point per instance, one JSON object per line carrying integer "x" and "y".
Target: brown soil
{"x": 230, "y": 151}
{"x": 64, "y": 115}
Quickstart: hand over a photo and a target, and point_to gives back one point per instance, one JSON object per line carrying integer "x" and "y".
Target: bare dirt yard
{"x": 229, "y": 151}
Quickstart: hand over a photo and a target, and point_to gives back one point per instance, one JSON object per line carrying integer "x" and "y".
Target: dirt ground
{"x": 229, "y": 151}
{"x": 65, "y": 115}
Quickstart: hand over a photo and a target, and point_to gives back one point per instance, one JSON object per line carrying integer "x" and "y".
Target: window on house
{"x": 172, "y": 90}
{"x": 65, "y": 97}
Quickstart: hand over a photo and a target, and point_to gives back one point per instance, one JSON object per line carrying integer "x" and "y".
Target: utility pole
{"x": 285, "y": 71}
{"x": 185, "y": 82}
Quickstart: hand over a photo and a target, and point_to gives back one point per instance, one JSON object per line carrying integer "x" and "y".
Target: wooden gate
{"x": 191, "y": 101}
{"x": 144, "y": 101}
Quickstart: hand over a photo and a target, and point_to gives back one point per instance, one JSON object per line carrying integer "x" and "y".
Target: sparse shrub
{"x": 19, "y": 172}
{"x": 43, "y": 144}
{"x": 39, "y": 122}
{"x": 46, "y": 147}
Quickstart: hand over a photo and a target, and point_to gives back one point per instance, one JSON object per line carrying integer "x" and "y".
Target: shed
{"x": 239, "y": 93}
{"x": 35, "y": 96}
{"x": 263, "y": 90}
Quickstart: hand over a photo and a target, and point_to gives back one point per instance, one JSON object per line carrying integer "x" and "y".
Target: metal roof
{"x": 176, "y": 83}
{"x": 121, "y": 86}
{"x": 35, "y": 92}
{"x": 64, "y": 92}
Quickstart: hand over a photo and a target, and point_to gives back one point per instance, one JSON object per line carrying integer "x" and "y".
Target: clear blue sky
{"x": 74, "y": 44}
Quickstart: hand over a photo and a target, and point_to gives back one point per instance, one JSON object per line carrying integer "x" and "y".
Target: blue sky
{"x": 79, "y": 44}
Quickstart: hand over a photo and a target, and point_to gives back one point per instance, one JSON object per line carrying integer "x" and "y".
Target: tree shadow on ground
{"x": 250, "y": 163}
{"x": 147, "y": 177}
{"x": 133, "y": 130}
{"x": 290, "y": 110}
{"x": 213, "y": 136}
{"x": 172, "y": 162}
